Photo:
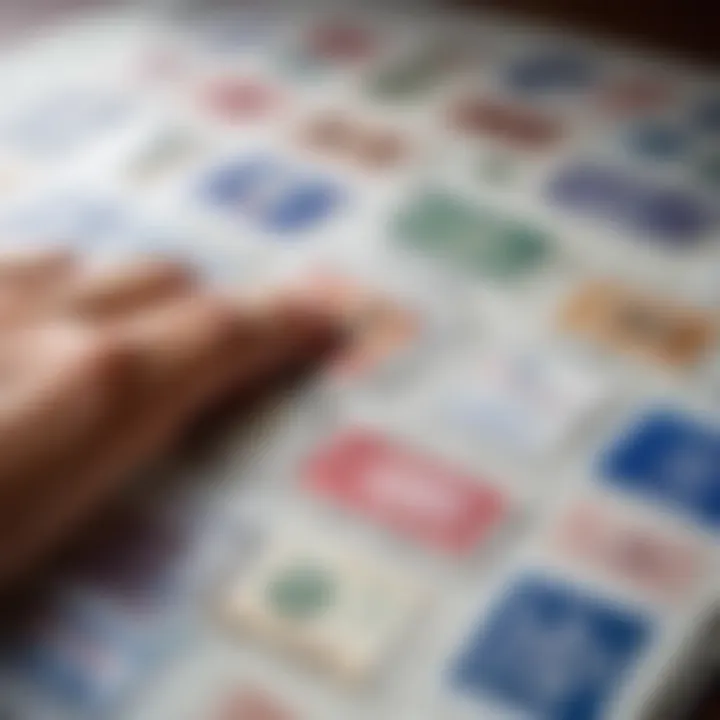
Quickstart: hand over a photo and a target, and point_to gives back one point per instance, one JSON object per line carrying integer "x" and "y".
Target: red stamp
{"x": 417, "y": 495}
{"x": 251, "y": 704}
{"x": 237, "y": 99}
{"x": 342, "y": 42}
{"x": 511, "y": 124}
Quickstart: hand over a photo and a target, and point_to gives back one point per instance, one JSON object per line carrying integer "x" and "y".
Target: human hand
{"x": 100, "y": 371}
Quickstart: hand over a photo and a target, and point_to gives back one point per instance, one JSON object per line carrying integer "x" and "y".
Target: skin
{"x": 101, "y": 371}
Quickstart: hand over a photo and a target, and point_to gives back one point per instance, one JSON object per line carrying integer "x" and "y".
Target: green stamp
{"x": 469, "y": 236}
{"x": 412, "y": 75}
{"x": 303, "y": 591}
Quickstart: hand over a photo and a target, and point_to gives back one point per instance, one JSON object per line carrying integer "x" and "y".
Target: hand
{"x": 101, "y": 370}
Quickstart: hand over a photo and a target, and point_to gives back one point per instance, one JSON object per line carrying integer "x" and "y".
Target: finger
{"x": 155, "y": 414}
{"x": 35, "y": 266}
{"x": 175, "y": 339}
{"x": 133, "y": 287}
{"x": 297, "y": 332}
{"x": 56, "y": 384}
{"x": 30, "y": 281}
{"x": 209, "y": 350}
{"x": 302, "y": 338}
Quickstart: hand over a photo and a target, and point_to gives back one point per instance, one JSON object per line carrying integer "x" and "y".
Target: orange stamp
{"x": 640, "y": 324}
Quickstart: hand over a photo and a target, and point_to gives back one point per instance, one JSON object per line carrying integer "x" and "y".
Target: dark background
{"x": 687, "y": 27}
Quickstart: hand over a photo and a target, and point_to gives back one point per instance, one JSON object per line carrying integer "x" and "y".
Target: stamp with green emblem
{"x": 470, "y": 236}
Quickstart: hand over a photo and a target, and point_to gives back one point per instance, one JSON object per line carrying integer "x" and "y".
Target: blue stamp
{"x": 551, "y": 651}
{"x": 671, "y": 216}
{"x": 658, "y": 141}
{"x": 273, "y": 195}
{"x": 302, "y": 205}
{"x": 235, "y": 183}
{"x": 72, "y": 659}
{"x": 84, "y": 654}
{"x": 552, "y": 71}
{"x": 671, "y": 459}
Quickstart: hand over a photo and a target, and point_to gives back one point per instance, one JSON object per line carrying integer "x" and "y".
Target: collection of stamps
{"x": 564, "y": 483}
